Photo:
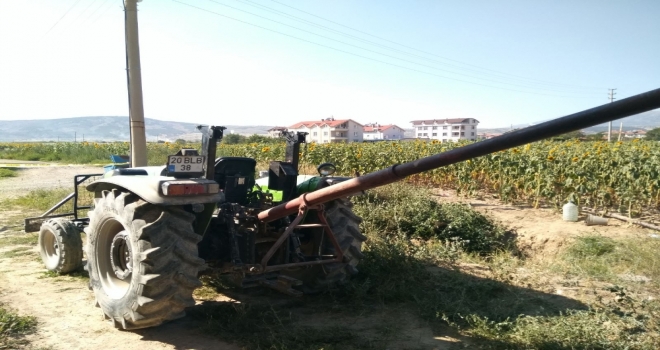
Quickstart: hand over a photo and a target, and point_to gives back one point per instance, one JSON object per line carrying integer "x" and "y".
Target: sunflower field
{"x": 620, "y": 175}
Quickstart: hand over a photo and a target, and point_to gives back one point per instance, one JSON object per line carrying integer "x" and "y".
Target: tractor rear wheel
{"x": 346, "y": 227}
{"x": 60, "y": 245}
{"x": 142, "y": 260}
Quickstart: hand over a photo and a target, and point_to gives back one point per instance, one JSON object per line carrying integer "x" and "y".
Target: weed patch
{"x": 16, "y": 252}
{"x": 4, "y": 172}
{"x": 601, "y": 327}
{"x": 404, "y": 209}
{"x": 71, "y": 276}
{"x": 12, "y": 327}
{"x": 22, "y": 239}
{"x": 606, "y": 259}
{"x": 40, "y": 200}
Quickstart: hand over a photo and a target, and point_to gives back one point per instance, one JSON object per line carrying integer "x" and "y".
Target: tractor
{"x": 152, "y": 231}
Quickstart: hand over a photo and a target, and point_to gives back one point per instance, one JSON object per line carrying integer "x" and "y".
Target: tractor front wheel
{"x": 60, "y": 245}
{"x": 142, "y": 260}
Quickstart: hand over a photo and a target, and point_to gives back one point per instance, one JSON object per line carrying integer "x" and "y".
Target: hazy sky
{"x": 267, "y": 62}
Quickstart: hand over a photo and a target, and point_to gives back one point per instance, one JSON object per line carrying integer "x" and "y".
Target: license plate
{"x": 185, "y": 164}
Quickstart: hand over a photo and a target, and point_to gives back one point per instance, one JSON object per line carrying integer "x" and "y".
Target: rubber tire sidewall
{"x": 164, "y": 265}
{"x": 68, "y": 237}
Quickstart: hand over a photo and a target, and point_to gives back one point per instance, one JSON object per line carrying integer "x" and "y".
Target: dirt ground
{"x": 542, "y": 232}
{"x": 68, "y": 318}
{"x": 35, "y": 175}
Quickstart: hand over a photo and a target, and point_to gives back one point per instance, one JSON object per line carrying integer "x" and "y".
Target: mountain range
{"x": 105, "y": 129}
{"x": 646, "y": 120}
{"x": 116, "y": 128}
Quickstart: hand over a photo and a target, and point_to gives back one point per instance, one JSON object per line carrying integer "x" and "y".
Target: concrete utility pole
{"x": 134, "y": 76}
{"x": 609, "y": 127}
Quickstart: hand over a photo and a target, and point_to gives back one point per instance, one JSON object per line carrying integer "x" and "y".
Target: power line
{"x": 64, "y": 15}
{"x": 480, "y": 70}
{"x": 105, "y": 3}
{"x": 398, "y": 58}
{"x": 429, "y": 53}
{"x": 365, "y": 57}
{"x": 81, "y": 13}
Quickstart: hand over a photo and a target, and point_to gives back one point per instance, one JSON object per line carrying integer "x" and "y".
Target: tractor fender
{"x": 148, "y": 188}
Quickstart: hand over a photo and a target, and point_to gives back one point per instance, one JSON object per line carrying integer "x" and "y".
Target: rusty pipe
{"x": 620, "y": 109}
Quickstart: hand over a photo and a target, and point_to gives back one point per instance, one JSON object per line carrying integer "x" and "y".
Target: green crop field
{"x": 620, "y": 175}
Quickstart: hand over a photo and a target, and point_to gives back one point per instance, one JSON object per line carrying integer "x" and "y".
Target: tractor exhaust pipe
{"x": 623, "y": 108}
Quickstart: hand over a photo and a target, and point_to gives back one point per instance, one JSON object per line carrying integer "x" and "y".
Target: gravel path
{"x": 46, "y": 176}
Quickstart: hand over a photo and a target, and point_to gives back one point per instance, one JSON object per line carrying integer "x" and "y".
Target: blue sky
{"x": 266, "y": 62}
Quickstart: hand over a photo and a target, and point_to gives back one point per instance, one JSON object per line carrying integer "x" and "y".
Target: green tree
{"x": 263, "y": 139}
{"x": 595, "y": 137}
{"x": 232, "y": 139}
{"x": 570, "y": 135}
{"x": 653, "y": 134}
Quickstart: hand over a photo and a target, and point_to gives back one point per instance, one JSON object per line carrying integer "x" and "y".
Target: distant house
{"x": 488, "y": 135}
{"x": 635, "y": 134}
{"x": 444, "y": 130}
{"x": 330, "y": 130}
{"x": 375, "y": 131}
{"x": 276, "y": 131}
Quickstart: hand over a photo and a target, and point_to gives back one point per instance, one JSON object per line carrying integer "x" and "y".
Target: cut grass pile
{"x": 12, "y": 327}
{"x": 5, "y": 172}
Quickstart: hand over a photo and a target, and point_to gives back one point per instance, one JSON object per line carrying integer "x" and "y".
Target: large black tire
{"x": 60, "y": 245}
{"x": 142, "y": 260}
{"x": 346, "y": 227}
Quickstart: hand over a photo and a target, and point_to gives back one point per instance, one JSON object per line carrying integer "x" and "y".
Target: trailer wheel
{"x": 142, "y": 260}
{"x": 346, "y": 227}
{"x": 60, "y": 245}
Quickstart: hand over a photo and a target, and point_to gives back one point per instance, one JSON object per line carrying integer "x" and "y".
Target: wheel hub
{"x": 121, "y": 255}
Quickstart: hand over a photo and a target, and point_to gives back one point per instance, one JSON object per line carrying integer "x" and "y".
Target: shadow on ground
{"x": 414, "y": 312}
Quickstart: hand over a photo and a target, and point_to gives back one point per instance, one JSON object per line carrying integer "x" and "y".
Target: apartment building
{"x": 330, "y": 130}
{"x": 444, "y": 130}
{"x": 375, "y": 131}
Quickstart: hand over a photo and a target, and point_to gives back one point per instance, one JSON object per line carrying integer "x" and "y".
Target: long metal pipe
{"x": 623, "y": 108}
{"x": 134, "y": 76}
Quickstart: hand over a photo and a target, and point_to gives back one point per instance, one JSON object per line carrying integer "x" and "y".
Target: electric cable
{"x": 429, "y": 53}
{"x": 366, "y": 57}
{"x": 402, "y": 59}
{"x": 64, "y": 15}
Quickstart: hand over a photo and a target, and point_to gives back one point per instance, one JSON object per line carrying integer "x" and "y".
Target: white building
{"x": 382, "y": 132}
{"x": 330, "y": 130}
{"x": 446, "y": 129}
{"x": 276, "y": 131}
